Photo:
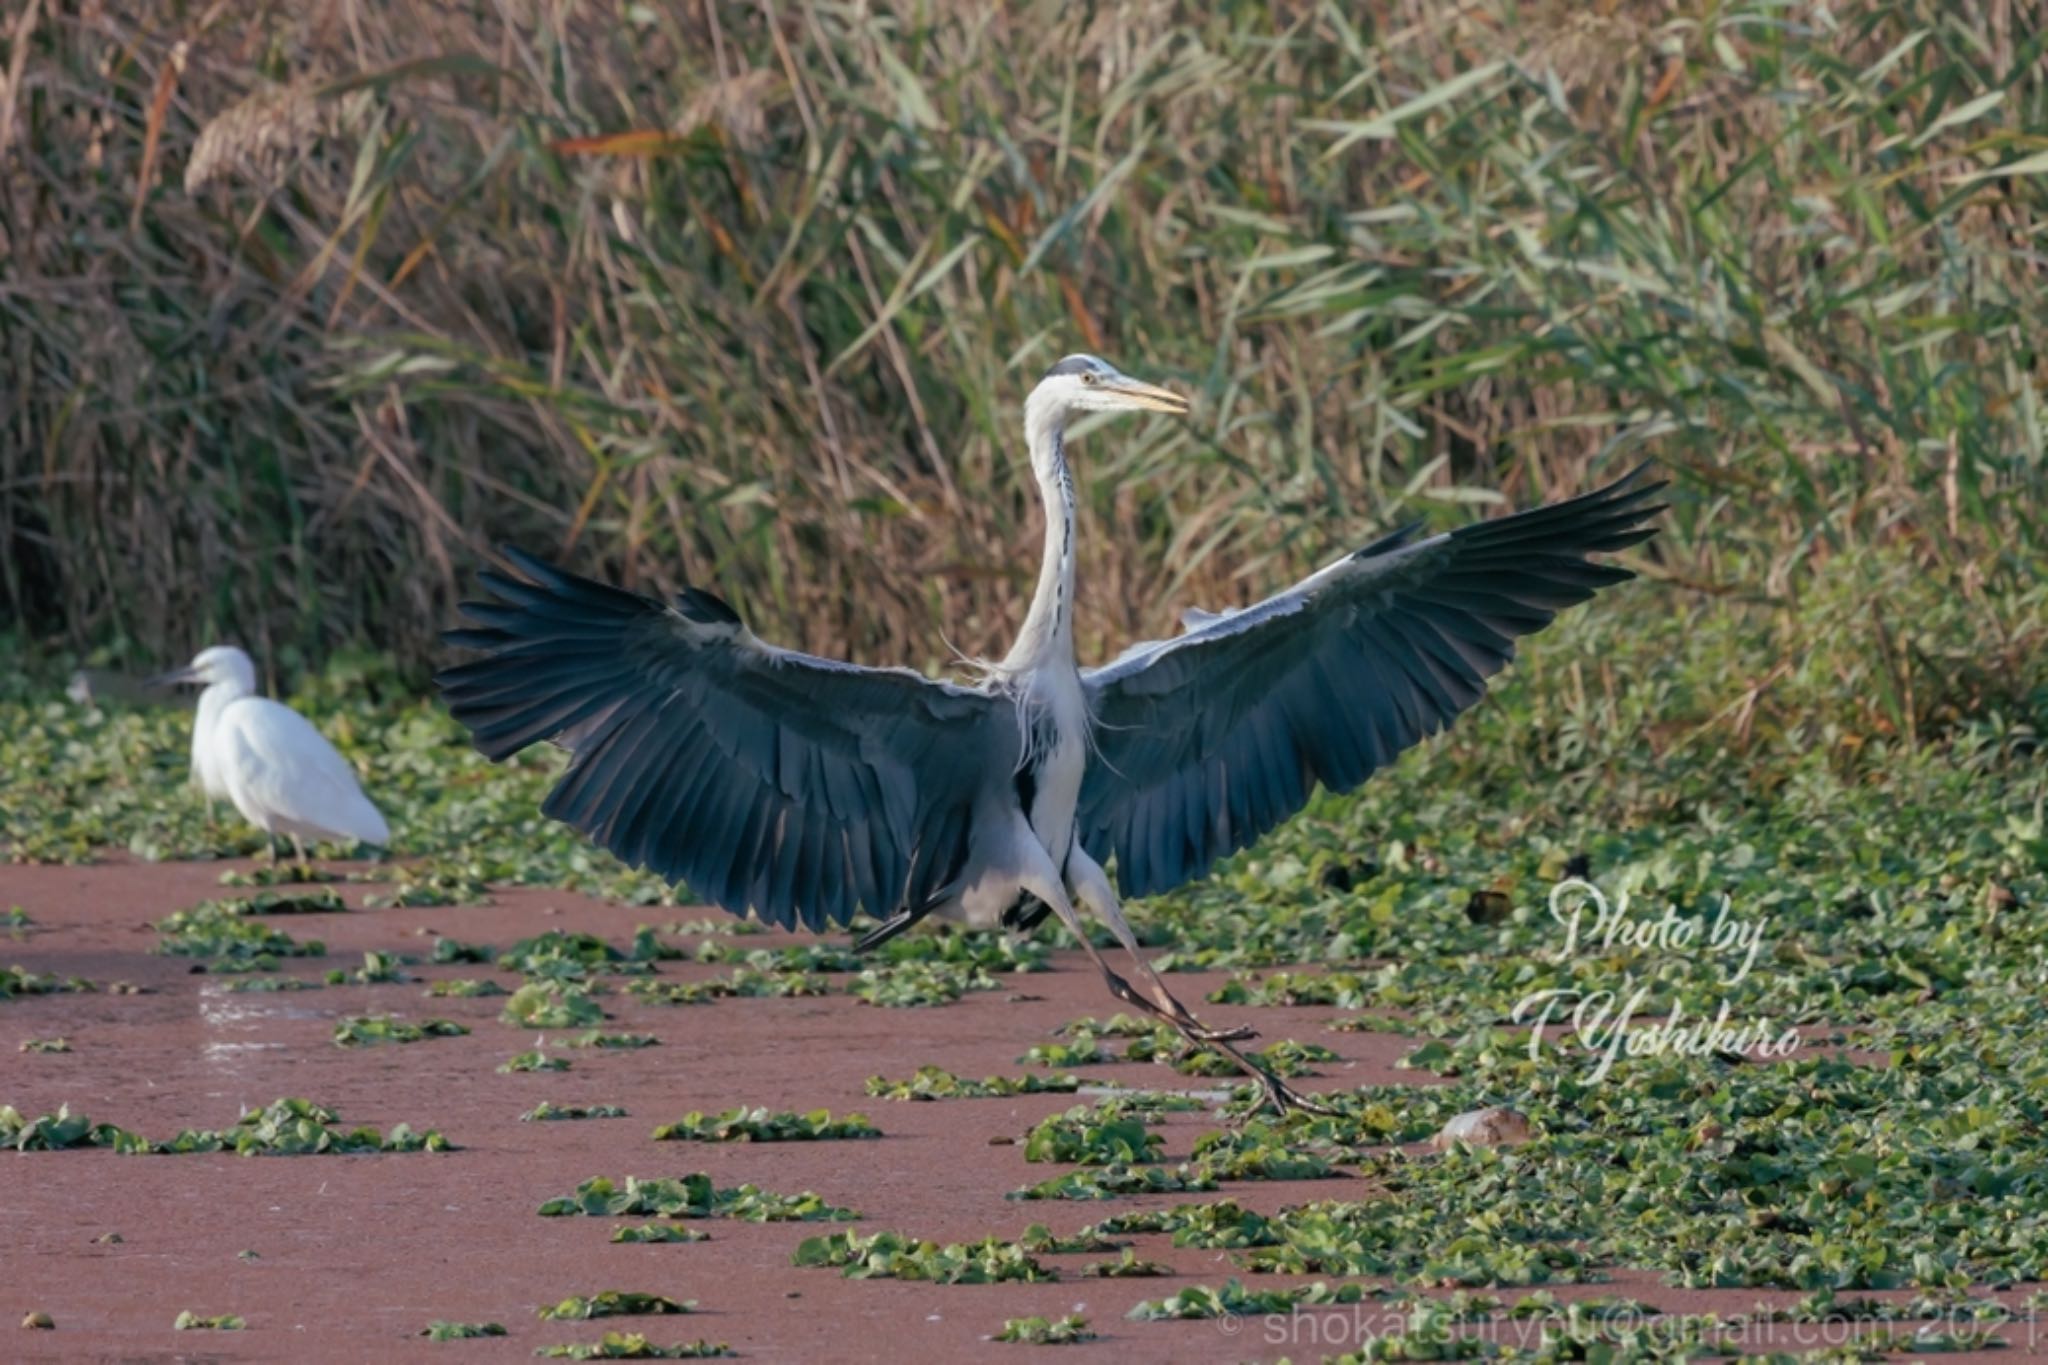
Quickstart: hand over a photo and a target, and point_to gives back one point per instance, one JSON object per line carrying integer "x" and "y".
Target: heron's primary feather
{"x": 796, "y": 787}
{"x": 1206, "y": 741}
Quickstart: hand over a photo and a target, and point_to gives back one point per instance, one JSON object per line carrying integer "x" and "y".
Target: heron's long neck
{"x": 1047, "y": 638}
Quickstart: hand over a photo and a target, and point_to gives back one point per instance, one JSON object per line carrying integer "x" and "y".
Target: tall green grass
{"x": 750, "y": 295}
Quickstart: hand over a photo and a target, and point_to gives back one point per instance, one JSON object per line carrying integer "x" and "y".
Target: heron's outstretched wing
{"x": 796, "y": 787}
{"x": 1206, "y": 741}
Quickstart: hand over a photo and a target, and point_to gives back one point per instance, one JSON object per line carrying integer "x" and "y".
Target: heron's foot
{"x": 1284, "y": 1099}
{"x": 1168, "y": 1007}
{"x": 1201, "y": 1033}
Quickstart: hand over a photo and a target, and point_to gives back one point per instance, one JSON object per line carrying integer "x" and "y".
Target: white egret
{"x": 269, "y": 761}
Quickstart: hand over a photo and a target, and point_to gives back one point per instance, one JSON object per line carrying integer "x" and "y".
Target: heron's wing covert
{"x": 1206, "y": 741}
{"x": 796, "y": 787}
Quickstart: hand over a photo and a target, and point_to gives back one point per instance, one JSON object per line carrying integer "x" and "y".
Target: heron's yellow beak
{"x": 1147, "y": 397}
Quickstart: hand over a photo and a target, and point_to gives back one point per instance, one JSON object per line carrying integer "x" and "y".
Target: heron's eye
{"x": 1088, "y": 378}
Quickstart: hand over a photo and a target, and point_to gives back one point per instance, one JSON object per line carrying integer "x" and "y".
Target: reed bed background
{"x": 303, "y": 308}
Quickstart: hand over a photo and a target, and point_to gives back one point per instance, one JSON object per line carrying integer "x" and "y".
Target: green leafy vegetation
{"x": 464, "y": 988}
{"x": 284, "y": 1127}
{"x": 365, "y": 1030}
{"x": 615, "y": 1042}
{"x": 189, "y": 1321}
{"x": 543, "y": 1005}
{"x": 1041, "y": 1240}
{"x": 265, "y": 985}
{"x": 760, "y": 1125}
{"x": 1128, "y": 1266}
{"x": 1116, "y": 1181}
{"x": 1093, "y": 1135}
{"x": 231, "y": 936}
{"x": 433, "y": 884}
{"x": 54, "y": 1132}
{"x": 45, "y": 1045}
{"x": 890, "y": 1256}
{"x": 1080, "y": 1050}
{"x": 461, "y": 1331}
{"x": 613, "y": 1303}
{"x": 19, "y": 980}
{"x": 545, "y": 1111}
{"x": 1066, "y": 1331}
{"x": 533, "y": 1061}
{"x": 659, "y": 1232}
{"x": 634, "y": 1346}
{"x": 377, "y": 969}
{"x": 691, "y": 1196}
{"x": 917, "y": 985}
{"x": 1233, "y": 1300}
{"x": 743, "y": 983}
{"x": 937, "y": 1083}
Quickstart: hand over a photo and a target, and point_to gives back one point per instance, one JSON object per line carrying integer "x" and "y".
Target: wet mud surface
{"x": 355, "y": 1255}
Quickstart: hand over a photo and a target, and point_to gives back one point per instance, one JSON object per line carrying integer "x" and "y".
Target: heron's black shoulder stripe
{"x": 1026, "y": 782}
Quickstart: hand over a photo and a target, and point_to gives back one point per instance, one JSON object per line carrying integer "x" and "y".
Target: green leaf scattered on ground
{"x": 550, "y": 1005}
{"x": 544, "y": 1111}
{"x": 937, "y": 1083}
{"x": 634, "y": 1346}
{"x": 461, "y": 1331}
{"x": 760, "y": 1125}
{"x": 890, "y": 1256}
{"x": 691, "y": 1196}
{"x": 612, "y": 1041}
{"x": 367, "y": 1030}
{"x": 1066, "y": 1331}
{"x": 614, "y": 1303}
{"x": 189, "y": 1321}
{"x": 1116, "y": 1181}
{"x": 659, "y": 1232}
{"x": 465, "y": 988}
{"x": 1233, "y": 1300}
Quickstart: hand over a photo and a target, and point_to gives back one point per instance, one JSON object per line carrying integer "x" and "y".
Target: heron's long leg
{"x": 1092, "y": 889}
{"x": 1045, "y": 884}
{"x": 305, "y": 869}
{"x": 1091, "y": 886}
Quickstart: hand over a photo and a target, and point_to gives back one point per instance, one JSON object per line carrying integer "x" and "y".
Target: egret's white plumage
{"x": 269, "y": 761}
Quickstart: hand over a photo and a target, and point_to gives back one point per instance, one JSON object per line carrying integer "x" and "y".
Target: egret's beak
{"x": 187, "y": 674}
{"x": 1148, "y": 397}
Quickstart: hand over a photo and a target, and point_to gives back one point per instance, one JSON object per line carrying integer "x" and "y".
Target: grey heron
{"x": 804, "y": 790}
{"x": 268, "y": 761}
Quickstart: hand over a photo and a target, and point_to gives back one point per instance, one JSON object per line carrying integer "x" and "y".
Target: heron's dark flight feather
{"x": 1206, "y": 741}
{"x": 798, "y": 788}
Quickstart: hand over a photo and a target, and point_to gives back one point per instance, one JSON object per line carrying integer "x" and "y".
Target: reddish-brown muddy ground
{"x": 354, "y": 1255}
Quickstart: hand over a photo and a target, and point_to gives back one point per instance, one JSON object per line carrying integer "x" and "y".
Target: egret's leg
{"x": 299, "y": 848}
{"x": 270, "y": 842}
{"x": 1092, "y": 888}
